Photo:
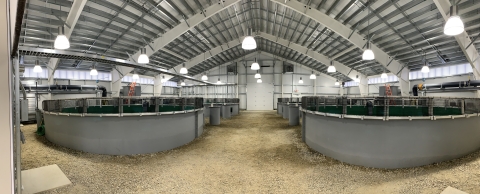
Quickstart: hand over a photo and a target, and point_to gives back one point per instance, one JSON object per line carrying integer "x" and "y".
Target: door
{"x": 259, "y": 96}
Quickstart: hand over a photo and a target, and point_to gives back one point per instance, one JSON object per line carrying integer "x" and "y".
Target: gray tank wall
{"x": 123, "y": 135}
{"x": 394, "y": 143}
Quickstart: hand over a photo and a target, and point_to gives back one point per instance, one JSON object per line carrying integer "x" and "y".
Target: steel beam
{"x": 355, "y": 38}
{"x": 72, "y": 18}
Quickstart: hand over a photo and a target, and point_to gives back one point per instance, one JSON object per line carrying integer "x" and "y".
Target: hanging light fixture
{"x": 37, "y": 68}
{"x": 454, "y": 25}
{"x": 368, "y": 53}
{"x": 61, "y": 42}
{"x": 357, "y": 79}
{"x": 219, "y": 82}
{"x": 163, "y": 80}
{"x": 331, "y": 68}
{"x": 255, "y": 65}
{"x": 300, "y": 81}
{"x": 259, "y": 80}
{"x": 135, "y": 76}
{"x": 183, "y": 70}
{"x": 204, "y": 77}
{"x": 143, "y": 58}
{"x": 384, "y": 75}
{"x": 249, "y": 42}
{"x": 183, "y": 83}
{"x": 337, "y": 83}
{"x": 425, "y": 68}
{"x": 257, "y": 75}
{"x": 94, "y": 71}
{"x": 313, "y": 76}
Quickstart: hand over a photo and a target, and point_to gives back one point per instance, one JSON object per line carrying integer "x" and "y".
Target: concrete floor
{"x": 255, "y": 152}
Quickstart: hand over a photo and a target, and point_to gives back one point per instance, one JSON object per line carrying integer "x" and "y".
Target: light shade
{"x": 183, "y": 83}
{"x": 255, "y": 65}
{"x": 300, "y": 81}
{"x": 331, "y": 69}
{"x": 204, "y": 77}
{"x": 357, "y": 79}
{"x": 183, "y": 70}
{"x": 249, "y": 43}
{"x": 219, "y": 82}
{"x": 93, "y": 72}
{"x": 143, "y": 58}
{"x": 37, "y": 69}
{"x": 259, "y": 80}
{"x": 368, "y": 55}
{"x": 454, "y": 25}
{"x": 163, "y": 80}
{"x": 337, "y": 83}
{"x": 135, "y": 76}
{"x": 258, "y": 76}
{"x": 384, "y": 75}
{"x": 425, "y": 69}
{"x": 61, "y": 42}
{"x": 313, "y": 76}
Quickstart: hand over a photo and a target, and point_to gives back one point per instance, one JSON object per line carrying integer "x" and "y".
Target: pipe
{"x": 17, "y": 126}
{"x": 460, "y": 84}
{"x": 68, "y": 87}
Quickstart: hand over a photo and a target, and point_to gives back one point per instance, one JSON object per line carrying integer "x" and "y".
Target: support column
{"x": 342, "y": 91}
{"x": 363, "y": 85}
{"x": 6, "y": 136}
{"x": 117, "y": 74}
{"x": 157, "y": 88}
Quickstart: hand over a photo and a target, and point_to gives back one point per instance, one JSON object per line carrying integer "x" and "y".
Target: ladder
{"x": 131, "y": 92}
{"x": 388, "y": 92}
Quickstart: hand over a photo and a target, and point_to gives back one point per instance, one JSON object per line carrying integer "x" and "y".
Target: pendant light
{"x": 300, "y": 81}
{"x": 94, "y": 71}
{"x": 258, "y": 76}
{"x": 135, "y": 76}
{"x": 183, "y": 83}
{"x": 143, "y": 58}
{"x": 384, "y": 75}
{"x": 219, "y": 82}
{"x": 337, "y": 83}
{"x": 368, "y": 53}
{"x": 313, "y": 76}
{"x": 163, "y": 80}
{"x": 259, "y": 80}
{"x": 183, "y": 70}
{"x": 37, "y": 68}
{"x": 357, "y": 79}
{"x": 255, "y": 65}
{"x": 204, "y": 77}
{"x": 331, "y": 68}
{"x": 425, "y": 68}
{"x": 454, "y": 25}
{"x": 61, "y": 42}
{"x": 249, "y": 42}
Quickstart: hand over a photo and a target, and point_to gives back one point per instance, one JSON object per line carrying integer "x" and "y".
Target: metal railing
{"x": 395, "y": 106}
{"x": 122, "y": 105}
{"x": 221, "y": 100}
{"x": 289, "y": 100}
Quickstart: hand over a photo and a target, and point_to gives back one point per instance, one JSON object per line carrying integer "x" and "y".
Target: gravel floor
{"x": 255, "y": 152}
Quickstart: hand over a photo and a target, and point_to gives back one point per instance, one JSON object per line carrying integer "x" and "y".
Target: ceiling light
{"x": 135, "y": 76}
{"x": 61, "y": 42}
{"x": 368, "y": 55}
{"x": 357, "y": 79}
{"x": 331, "y": 68}
{"x": 204, "y": 77}
{"x": 183, "y": 83}
{"x": 163, "y": 80}
{"x": 93, "y": 72}
{"x": 313, "y": 76}
{"x": 454, "y": 25}
{"x": 425, "y": 69}
{"x": 258, "y": 76}
{"x": 259, "y": 80}
{"x": 183, "y": 70}
{"x": 255, "y": 65}
{"x": 143, "y": 58}
{"x": 337, "y": 83}
{"x": 300, "y": 81}
{"x": 219, "y": 82}
{"x": 249, "y": 42}
{"x": 37, "y": 68}
{"x": 384, "y": 75}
